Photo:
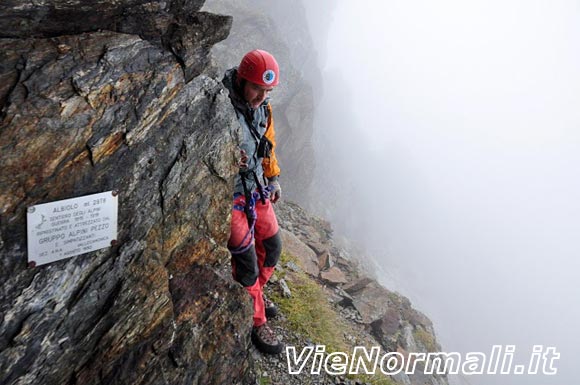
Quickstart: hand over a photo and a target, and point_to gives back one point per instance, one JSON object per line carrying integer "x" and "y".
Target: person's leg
{"x": 246, "y": 271}
{"x": 268, "y": 249}
{"x": 244, "y": 260}
{"x": 268, "y": 243}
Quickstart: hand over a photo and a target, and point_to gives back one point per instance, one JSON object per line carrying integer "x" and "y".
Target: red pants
{"x": 254, "y": 255}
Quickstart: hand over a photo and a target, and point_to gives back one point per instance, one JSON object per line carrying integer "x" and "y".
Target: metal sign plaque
{"x": 64, "y": 229}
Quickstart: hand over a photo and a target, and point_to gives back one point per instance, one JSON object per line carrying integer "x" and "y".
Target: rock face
{"x": 305, "y": 256}
{"x": 115, "y": 96}
{"x": 175, "y": 25}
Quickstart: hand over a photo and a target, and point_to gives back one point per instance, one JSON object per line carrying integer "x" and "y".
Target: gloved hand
{"x": 243, "y": 161}
{"x": 275, "y": 189}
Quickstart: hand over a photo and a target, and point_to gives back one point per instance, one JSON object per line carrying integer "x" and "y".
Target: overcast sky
{"x": 455, "y": 129}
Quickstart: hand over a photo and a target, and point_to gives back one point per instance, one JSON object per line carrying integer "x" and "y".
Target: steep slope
{"x": 326, "y": 299}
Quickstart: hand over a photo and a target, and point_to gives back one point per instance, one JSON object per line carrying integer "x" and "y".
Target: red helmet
{"x": 259, "y": 67}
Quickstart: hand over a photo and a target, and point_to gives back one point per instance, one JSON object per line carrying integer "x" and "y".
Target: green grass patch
{"x": 378, "y": 379}
{"x": 308, "y": 311}
{"x": 309, "y": 314}
{"x": 426, "y": 339}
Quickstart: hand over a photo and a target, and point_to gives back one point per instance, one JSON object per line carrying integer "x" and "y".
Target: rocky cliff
{"x": 103, "y": 96}
{"x": 122, "y": 96}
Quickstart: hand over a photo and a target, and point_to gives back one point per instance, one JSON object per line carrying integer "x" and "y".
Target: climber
{"x": 255, "y": 243}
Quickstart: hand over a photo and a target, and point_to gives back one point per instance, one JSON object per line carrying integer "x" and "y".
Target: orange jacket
{"x": 270, "y": 165}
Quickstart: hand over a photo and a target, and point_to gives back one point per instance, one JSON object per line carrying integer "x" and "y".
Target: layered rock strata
{"x": 115, "y": 96}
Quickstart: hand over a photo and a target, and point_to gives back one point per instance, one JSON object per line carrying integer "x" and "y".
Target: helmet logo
{"x": 269, "y": 76}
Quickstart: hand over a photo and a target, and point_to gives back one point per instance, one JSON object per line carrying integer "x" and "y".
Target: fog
{"x": 448, "y": 143}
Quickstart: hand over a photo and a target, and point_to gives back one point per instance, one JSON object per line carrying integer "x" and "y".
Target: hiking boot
{"x": 265, "y": 340}
{"x": 271, "y": 309}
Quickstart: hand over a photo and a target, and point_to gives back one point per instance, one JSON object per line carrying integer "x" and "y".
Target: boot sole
{"x": 266, "y": 348}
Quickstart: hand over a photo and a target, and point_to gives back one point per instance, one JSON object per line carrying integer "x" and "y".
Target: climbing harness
{"x": 249, "y": 207}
